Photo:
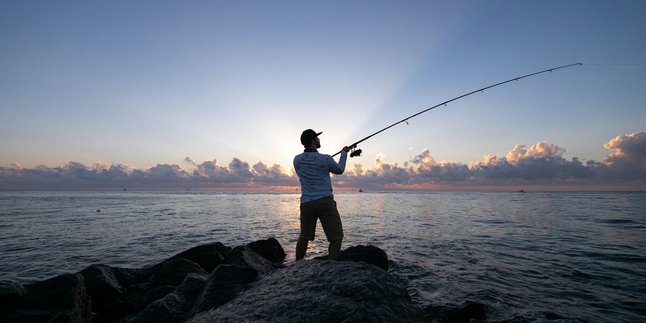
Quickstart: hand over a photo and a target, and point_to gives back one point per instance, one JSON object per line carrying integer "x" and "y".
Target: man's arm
{"x": 340, "y": 167}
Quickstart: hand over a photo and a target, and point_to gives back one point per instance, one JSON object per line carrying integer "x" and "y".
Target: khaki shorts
{"x": 325, "y": 210}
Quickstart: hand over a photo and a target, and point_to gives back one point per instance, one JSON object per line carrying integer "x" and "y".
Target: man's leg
{"x": 301, "y": 248}
{"x": 308, "y": 228}
{"x": 331, "y": 222}
{"x": 335, "y": 248}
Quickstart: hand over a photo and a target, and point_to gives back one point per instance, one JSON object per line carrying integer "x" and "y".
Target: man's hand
{"x": 347, "y": 148}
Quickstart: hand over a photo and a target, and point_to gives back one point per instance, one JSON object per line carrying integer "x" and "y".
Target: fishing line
{"x": 588, "y": 64}
{"x": 357, "y": 152}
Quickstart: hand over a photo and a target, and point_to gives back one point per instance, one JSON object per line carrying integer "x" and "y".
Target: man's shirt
{"x": 313, "y": 170}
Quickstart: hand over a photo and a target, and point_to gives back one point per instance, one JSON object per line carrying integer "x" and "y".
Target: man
{"x": 317, "y": 202}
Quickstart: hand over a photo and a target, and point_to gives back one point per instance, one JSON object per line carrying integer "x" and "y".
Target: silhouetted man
{"x": 317, "y": 202}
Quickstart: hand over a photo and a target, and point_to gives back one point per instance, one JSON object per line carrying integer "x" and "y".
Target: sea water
{"x": 532, "y": 256}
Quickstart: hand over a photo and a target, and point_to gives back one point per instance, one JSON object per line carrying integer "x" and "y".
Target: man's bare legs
{"x": 301, "y": 248}
{"x": 334, "y": 249}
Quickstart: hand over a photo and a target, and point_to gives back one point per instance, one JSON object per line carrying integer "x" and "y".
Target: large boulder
{"x": 12, "y": 294}
{"x": 225, "y": 283}
{"x": 320, "y": 291}
{"x": 59, "y": 299}
{"x": 244, "y": 256}
{"x": 114, "y": 290}
{"x": 102, "y": 285}
{"x": 147, "y": 296}
{"x": 176, "y": 306}
{"x": 208, "y": 256}
{"x": 368, "y": 254}
{"x": 270, "y": 249}
{"x": 172, "y": 272}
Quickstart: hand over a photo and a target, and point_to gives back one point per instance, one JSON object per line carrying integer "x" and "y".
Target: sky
{"x": 216, "y": 93}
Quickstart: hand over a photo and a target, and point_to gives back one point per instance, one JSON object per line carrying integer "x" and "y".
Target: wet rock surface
{"x": 320, "y": 291}
{"x": 368, "y": 254}
{"x": 269, "y": 249}
{"x": 216, "y": 283}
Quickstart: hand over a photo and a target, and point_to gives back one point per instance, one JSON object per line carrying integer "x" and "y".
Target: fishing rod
{"x": 357, "y": 152}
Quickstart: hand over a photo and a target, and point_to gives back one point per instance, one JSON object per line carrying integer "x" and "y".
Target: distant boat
{"x": 522, "y": 191}
{"x": 360, "y": 191}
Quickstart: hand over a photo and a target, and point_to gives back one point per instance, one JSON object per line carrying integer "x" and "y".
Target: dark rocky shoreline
{"x": 217, "y": 283}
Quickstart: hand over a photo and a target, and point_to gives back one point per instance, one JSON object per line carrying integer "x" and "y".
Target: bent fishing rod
{"x": 357, "y": 152}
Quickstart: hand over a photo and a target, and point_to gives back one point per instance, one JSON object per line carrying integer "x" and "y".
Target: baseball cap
{"x": 308, "y": 135}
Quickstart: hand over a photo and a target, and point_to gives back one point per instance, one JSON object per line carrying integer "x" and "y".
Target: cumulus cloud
{"x": 210, "y": 170}
{"x": 271, "y": 175}
{"x": 357, "y": 169}
{"x": 425, "y": 168}
{"x": 627, "y": 159}
{"x": 207, "y": 174}
{"x": 539, "y": 164}
{"x": 541, "y": 150}
{"x": 630, "y": 147}
{"x": 383, "y": 173}
{"x": 240, "y": 169}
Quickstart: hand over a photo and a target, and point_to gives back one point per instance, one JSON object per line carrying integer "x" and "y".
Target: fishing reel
{"x": 355, "y": 152}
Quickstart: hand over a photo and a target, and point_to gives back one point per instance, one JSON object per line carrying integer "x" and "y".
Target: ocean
{"x": 535, "y": 256}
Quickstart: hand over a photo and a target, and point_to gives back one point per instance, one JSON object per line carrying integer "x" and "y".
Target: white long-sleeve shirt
{"x": 313, "y": 170}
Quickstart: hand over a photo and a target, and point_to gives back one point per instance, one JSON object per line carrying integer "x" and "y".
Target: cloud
{"x": 630, "y": 147}
{"x": 210, "y": 170}
{"x": 272, "y": 175}
{"x": 207, "y": 174}
{"x": 627, "y": 159}
{"x": 239, "y": 169}
{"x": 425, "y": 168}
{"x": 539, "y": 164}
{"x": 541, "y": 150}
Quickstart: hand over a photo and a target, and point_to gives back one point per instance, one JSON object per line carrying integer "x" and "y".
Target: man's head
{"x": 309, "y": 138}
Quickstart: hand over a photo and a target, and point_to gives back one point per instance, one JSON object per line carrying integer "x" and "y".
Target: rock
{"x": 468, "y": 312}
{"x": 131, "y": 276}
{"x": 102, "y": 285}
{"x": 174, "y": 307}
{"x": 11, "y": 294}
{"x": 246, "y": 285}
{"x": 172, "y": 272}
{"x": 225, "y": 283}
{"x": 107, "y": 286}
{"x": 270, "y": 249}
{"x": 59, "y": 299}
{"x": 129, "y": 302}
{"x": 208, "y": 256}
{"x": 148, "y": 296}
{"x": 320, "y": 291}
{"x": 118, "y": 292}
{"x": 243, "y": 256}
{"x": 163, "y": 282}
{"x": 368, "y": 254}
